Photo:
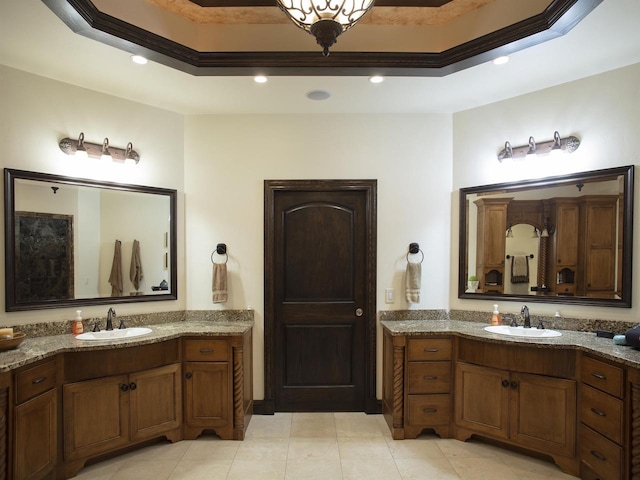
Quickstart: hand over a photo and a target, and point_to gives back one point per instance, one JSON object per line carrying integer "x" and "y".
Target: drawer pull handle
{"x": 431, "y": 350}
{"x": 599, "y": 376}
{"x": 598, "y": 455}
{"x": 598, "y": 412}
{"x": 430, "y": 410}
{"x": 431, "y": 378}
{"x": 39, "y": 380}
{"x": 206, "y": 350}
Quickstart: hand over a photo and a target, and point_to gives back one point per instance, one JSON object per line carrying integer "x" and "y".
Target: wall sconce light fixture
{"x": 103, "y": 150}
{"x": 548, "y": 229}
{"x": 557, "y": 145}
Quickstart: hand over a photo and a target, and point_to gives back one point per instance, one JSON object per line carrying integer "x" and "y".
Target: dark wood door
{"x": 321, "y": 308}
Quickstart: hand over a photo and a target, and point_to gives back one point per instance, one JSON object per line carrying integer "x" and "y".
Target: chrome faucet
{"x": 110, "y": 314}
{"x": 525, "y": 314}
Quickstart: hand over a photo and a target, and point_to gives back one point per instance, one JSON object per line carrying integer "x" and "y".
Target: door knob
{"x": 359, "y": 312}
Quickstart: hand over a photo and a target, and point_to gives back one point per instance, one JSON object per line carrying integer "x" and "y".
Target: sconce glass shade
{"x": 532, "y": 147}
{"x": 557, "y": 146}
{"x": 106, "y": 155}
{"x": 81, "y": 151}
{"x": 545, "y": 233}
{"x": 325, "y": 19}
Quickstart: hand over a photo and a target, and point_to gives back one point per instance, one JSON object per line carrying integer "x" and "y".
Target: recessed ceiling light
{"x": 260, "y": 79}
{"x": 501, "y": 60}
{"x": 318, "y": 95}
{"x": 376, "y": 79}
{"x": 139, "y": 59}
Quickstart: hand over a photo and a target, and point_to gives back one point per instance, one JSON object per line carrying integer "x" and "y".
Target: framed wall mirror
{"x": 565, "y": 239}
{"x": 73, "y": 242}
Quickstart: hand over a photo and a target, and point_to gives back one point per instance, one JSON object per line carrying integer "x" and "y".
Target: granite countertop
{"x": 33, "y": 349}
{"x": 587, "y": 342}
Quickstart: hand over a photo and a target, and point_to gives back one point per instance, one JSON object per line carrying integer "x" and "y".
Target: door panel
{"x": 321, "y": 247}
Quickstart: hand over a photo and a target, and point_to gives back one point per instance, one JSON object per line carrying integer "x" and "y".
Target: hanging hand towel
{"x": 413, "y": 281}
{"x": 519, "y": 269}
{"x": 219, "y": 283}
{"x": 135, "y": 271}
{"x": 115, "y": 279}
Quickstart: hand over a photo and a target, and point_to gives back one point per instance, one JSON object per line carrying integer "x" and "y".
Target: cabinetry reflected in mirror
{"x": 64, "y": 235}
{"x": 561, "y": 239}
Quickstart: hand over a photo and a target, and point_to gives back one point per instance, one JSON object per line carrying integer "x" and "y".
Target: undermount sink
{"x": 522, "y": 332}
{"x": 114, "y": 334}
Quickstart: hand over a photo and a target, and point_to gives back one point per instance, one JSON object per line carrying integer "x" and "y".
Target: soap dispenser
{"x": 78, "y": 327}
{"x": 495, "y": 316}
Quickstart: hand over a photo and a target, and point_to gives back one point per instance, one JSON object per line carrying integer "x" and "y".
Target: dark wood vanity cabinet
{"x": 563, "y": 258}
{"x": 418, "y": 377}
{"x": 35, "y": 433}
{"x": 492, "y": 227}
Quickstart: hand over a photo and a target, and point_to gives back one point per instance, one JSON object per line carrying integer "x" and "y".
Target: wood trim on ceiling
{"x": 272, "y": 3}
{"x": 84, "y": 18}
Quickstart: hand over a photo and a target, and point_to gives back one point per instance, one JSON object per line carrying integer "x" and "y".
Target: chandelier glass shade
{"x": 325, "y": 19}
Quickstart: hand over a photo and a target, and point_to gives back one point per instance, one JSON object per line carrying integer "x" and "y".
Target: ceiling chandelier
{"x": 325, "y": 19}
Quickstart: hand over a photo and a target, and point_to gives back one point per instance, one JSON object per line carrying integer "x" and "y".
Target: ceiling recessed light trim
{"x": 139, "y": 59}
{"x": 376, "y": 79}
{"x": 260, "y": 79}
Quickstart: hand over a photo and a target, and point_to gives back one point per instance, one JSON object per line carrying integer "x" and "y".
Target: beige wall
{"x": 218, "y": 164}
{"x": 35, "y": 113}
{"x": 227, "y": 158}
{"x": 603, "y": 111}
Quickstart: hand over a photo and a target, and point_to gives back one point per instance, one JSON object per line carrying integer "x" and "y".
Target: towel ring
{"x": 419, "y": 251}
{"x": 226, "y": 257}
{"x": 221, "y": 249}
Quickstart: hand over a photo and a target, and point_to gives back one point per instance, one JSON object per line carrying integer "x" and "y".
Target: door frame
{"x": 370, "y": 188}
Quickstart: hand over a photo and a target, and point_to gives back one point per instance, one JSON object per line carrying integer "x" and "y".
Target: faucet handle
{"x": 540, "y": 325}
{"x": 513, "y": 323}
{"x": 122, "y": 325}
{"x": 96, "y": 327}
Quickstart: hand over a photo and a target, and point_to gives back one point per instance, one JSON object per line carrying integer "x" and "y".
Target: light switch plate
{"x": 389, "y": 295}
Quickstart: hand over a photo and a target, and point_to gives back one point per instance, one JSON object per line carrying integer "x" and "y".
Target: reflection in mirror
{"x": 559, "y": 240}
{"x": 81, "y": 242}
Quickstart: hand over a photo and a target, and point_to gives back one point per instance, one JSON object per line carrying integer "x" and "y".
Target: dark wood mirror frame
{"x": 627, "y": 174}
{"x": 11, "y": 304}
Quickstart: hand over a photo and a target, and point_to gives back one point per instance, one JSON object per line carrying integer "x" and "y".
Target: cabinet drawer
{"x": 427, "y": 410}
{"x": 206, "y": 350}
{"x": 428, "y": 377}
{"x": 602, "y": 412}
{"x": 34, "y": 381}
{"x": 600, "y": 454}
{"x": 429, "y": 349}
{"x": 603, "y": 376}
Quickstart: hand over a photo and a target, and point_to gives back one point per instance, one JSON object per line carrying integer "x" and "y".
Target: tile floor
{"x": 326, "y": 446}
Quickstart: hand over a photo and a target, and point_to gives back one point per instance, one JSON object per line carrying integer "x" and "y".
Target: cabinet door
{"x": 207, "y": 398}
{"x": 35, "y": 437}
{"x": 543, "y": 413}
{"x": 156, "y": 401}
{"x": 567, "y": 218}
{"x": 482, "y": 399}
{"x": 96, "y": 416}
{"x": 600, "y": 247}
{"x": 494, "y": 236}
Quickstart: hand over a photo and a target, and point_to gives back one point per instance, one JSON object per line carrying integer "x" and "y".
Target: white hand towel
{"x": 413, "y": 281}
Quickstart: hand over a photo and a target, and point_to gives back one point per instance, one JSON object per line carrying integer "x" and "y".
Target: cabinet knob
{"x": 514, "y": 384}
{"x": 188, "y": 375}
{"x": 124, "y": 387}
{"x": 133, "y": 386}
{"x": 505, "y": 383}
{"x": 359, "y": 312}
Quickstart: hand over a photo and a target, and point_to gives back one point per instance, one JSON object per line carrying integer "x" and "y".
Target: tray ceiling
{"x": 245, "y": 37}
